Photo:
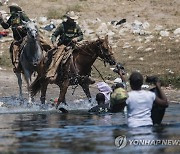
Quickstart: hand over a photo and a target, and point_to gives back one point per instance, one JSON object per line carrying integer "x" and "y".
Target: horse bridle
{"x": 104, "y": 55}
{"x": 29, "y": 30}
{"x": 104, "y": 58}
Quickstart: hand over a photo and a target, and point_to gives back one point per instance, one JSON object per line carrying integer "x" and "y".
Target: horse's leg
{"x": 27, "y": 76}
{"x": 43, "y": 91}
{"x": 85, "y": 88}
{"x": 20, "y": 85}
{"x": 63, "y": 89}
{"x": 30, "y": 98}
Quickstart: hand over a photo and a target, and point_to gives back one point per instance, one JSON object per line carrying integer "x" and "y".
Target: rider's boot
{"x": 15, "y": 59}
{"x": 17, "y": 67}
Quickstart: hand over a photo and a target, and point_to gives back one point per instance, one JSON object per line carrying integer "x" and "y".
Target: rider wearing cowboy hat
{"x": 16, "y": 21}
{"x": 68, "y": 31}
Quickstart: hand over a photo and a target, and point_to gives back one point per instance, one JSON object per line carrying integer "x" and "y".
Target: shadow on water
{"x": 81, "y": 132}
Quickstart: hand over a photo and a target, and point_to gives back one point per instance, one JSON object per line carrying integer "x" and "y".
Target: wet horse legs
{"x": 27, "y": 75}
{"x": 63, "y": 89}
{"x": 20, "y": 85}
{"x": 85, "y": 88}
{"x": 43, "y": 92}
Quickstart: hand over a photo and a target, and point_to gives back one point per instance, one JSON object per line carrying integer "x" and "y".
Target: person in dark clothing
{"x": 101, "y": 107}
{"x": 69, "y": 31}
{"x": 17, "y": 22}
{"x": 68, "y": 34}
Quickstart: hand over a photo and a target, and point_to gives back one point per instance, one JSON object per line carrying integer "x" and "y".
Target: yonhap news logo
{"x": 122, "y": 141}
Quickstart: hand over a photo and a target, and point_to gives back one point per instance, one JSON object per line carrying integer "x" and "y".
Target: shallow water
{"x": 80, "y": 132}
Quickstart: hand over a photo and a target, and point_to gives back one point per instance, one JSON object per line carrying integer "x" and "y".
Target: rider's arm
{"x": 162, "y": 99}
{"x": 24, "y": 17}
{"x": 56, "y": 33}
{"x": 79, "y": 34}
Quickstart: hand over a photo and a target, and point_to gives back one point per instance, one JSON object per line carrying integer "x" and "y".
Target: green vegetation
{"x": 173, "y": 80}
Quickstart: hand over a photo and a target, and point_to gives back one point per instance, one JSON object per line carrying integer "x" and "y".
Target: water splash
{"x": 13, "y": 104}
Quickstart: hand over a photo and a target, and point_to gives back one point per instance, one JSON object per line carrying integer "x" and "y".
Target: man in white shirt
{"x": 140, "y": 102}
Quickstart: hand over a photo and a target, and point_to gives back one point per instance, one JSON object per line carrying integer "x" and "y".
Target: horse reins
{"x": 98, "y": 59}
{"x": 99, "y": 73}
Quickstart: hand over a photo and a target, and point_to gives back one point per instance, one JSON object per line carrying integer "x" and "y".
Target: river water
{"x": 49, "y": 131}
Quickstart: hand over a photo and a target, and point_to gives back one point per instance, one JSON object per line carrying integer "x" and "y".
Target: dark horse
{"x": 76, "y": 70}
{"x": 30, "y": 57}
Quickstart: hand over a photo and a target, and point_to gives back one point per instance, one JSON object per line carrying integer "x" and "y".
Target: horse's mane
{"x": 85, "y": 44}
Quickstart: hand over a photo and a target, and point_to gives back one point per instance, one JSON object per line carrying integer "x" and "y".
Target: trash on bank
{"x": 49, "y": 27}
{"x": 4, "y": 33}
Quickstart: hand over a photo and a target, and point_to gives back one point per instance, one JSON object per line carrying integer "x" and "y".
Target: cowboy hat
{"x": 71, "y": 15}
{"x": 15, "y": 7}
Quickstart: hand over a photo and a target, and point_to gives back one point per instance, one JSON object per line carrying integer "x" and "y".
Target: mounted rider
{"x": 69, "y": 31}
{"x": 17, "y": 21}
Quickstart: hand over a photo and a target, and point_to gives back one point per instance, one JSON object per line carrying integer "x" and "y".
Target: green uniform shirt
{"x": 66, "y": 32}
{"x": 15, "y": 20}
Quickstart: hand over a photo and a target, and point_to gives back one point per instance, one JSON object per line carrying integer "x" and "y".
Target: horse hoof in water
{"x": 63, "y": 110}
{"x": 31, "y": 100}
{"x": 57, "y": 104}
{"x": 65, "y": 103}
{"x": 89, "y": 99}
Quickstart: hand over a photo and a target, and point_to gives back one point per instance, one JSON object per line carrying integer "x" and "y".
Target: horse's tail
{"x": 35, "y": 87}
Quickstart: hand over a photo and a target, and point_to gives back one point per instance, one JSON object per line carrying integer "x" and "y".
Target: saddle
{"x": 55, "y": 58}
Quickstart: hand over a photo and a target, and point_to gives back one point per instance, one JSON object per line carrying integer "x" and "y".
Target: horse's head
{"x": 105, "y": 52}
{"x": 31, "y": 52}
{"x": 32, "y": 30}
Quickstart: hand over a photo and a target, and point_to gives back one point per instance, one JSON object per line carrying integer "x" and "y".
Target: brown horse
{"x": 76, "y": 70}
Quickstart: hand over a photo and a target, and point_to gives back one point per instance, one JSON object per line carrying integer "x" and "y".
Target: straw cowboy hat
{"x": 71, "y": 15}
{"x": 15, "y": 7}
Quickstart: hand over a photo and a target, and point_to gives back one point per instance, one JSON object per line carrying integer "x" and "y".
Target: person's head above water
{"x": 100, "y": 98}
{"x": 136, "y": 80}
